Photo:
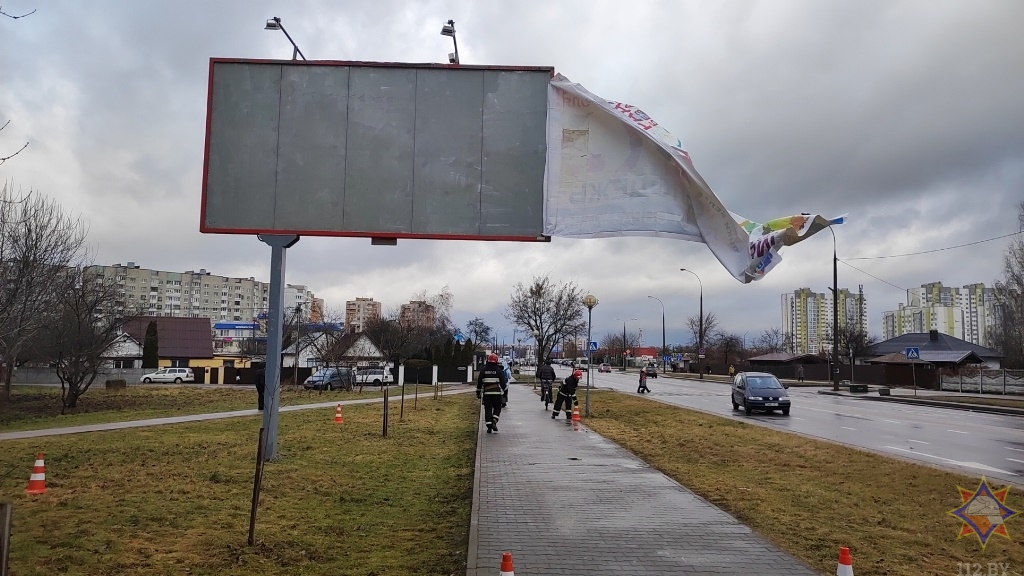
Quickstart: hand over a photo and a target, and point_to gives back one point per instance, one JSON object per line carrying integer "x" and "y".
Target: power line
{"x": 935, "y": 250}
{"x": 873, "y": 276}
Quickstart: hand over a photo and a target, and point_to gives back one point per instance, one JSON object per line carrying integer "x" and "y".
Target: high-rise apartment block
{"x": 360, "y": 311}
{"x": 195, "y": 294}
{"x": 807, "y": 318}
{"x": 417, "y": 313}
{"x": 967, "y": 313}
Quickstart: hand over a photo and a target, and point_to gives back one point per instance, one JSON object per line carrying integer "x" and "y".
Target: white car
{"x": 374, "y": 376}
{"x": 176, "y": 375}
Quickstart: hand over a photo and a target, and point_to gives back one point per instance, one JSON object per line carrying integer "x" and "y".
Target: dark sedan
{"x": 759, "y": 391}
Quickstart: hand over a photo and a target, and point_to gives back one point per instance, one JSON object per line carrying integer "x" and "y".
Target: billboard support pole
{"x": 278, "y": 243}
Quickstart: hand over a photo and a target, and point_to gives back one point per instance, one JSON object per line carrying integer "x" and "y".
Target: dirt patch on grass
{"x": 809, "y": 496}
{"x": 341, "y": 500}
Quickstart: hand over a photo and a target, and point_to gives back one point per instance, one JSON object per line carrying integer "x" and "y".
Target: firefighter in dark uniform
{"x": 492, "y": 387}
{"x": 567, "y": 394}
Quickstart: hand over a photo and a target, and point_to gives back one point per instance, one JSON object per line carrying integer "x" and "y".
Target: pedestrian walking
{"x": 643, "y": 383}
{"x": 546, "y": 375}
{"x": 261, "y": 384}
{"x": 567, "y": 394}
{"x": 800, "y": 372}
{"x": 492, "y": 388}
{"x": 732, "y": 371}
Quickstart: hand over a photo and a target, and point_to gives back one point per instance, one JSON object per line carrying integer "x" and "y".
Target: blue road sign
{"x": 666, "y": 358}
{"x": 593, "y": 346}
{"x": 913, "y": 353}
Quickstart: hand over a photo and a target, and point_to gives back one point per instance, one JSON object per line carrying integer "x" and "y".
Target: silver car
{"x": 176, "y": 375}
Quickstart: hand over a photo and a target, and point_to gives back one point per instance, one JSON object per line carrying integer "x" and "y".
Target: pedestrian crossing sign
{"x": 913, "y": 353}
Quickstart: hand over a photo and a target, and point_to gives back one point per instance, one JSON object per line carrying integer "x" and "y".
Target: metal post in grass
{"x": 401, "y": 408}
{"x": 416, "y": 396}
{"x": 257, "y": 483}
{"x": 384, "y": 430}
{"x": 6, "y": 514}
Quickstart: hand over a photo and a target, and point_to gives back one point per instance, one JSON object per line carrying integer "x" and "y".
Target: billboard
{"x": 376, "y": 150}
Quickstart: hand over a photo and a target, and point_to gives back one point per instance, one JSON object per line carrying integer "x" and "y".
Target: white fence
{"x": 984, "y": 381}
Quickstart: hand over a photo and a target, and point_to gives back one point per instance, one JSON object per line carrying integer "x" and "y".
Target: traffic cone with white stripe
{"x": 845, "y": 562}
{"x": 575, "y": 413}
{"x": 506, "y": 565}
{"x": 338, "y": 418}
{"x": 37, "y": 481}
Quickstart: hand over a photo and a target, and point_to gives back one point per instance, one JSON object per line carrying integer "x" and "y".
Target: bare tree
{"x": 394, "y": 339}
{"x": 771, "y": 340}
{"x": 39, "y": 242}
{"x": 479, "y": 331}
{"x": 710, "y": 327}
{"x": 4, "y": 159}
{"x": 81, "y": 329}
{"x": 326, "y": 343}
{"x": 727, "y": 345}
{"x": 612, "y": 344}
{"x": 553, "y": 311}
{"x": 1008, "y": 333}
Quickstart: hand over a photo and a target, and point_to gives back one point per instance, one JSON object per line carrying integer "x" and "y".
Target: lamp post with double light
{"x": 700, "y": 325}
{"x": 589, "y": 301}
{"x": 275, "y": 24}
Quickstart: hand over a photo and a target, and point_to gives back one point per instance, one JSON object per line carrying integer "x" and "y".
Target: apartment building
{"x": 194, "y": 294}
{"x": 967, "y": 313}
{"x": 417, "y": 313}
{"x": 298, "y": 298}
{"x": 807, "y": 318}
{"x": 358, "y": 312}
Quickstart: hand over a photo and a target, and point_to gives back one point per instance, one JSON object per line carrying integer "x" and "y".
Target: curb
{"x": 1002, "y": 410}
{"x": 474, "y": 515}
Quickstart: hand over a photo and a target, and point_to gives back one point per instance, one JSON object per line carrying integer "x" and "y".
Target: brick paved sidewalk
{"x": 566, "y": 502}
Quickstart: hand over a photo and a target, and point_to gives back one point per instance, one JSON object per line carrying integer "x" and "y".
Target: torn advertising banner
{"x": 613, "y": 171}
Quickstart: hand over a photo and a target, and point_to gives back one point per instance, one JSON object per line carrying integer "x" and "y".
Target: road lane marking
{"x": 797, "y": 418}
{"x": 958, "y": 431}
{"x": 1015, "y": 460}
{"x": 893, "y": 421}
{"x": 956, "y": 462}
{"x": 848, "y": 428}
{"x": 918, "y": 441}
{"x": 1014, "y": 449}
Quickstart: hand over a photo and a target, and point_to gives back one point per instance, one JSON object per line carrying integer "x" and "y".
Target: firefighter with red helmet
{"x": 567, "y": 394}
{"x": 492, "y": 387}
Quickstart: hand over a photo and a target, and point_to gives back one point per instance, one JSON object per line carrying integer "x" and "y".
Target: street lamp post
{"x": 663, "y": 348}
{"x": 700, "y": 324}
{"x": 624, "y": 320}
{"x": 275, "y": 24}
{"x": 589, "y": 301}
{"x": 449, "y": 30}
{"x": 835, "y": 314}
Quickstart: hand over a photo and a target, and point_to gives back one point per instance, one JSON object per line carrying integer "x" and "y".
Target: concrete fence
{"x": 25, "y": 375}
{"x": 984, "y": 381}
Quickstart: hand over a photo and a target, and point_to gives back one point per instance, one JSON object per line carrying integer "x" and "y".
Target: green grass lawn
{"x": 38, "y": 407}
{"x": 810, "y": 496}
{"x": 341, "y": 500}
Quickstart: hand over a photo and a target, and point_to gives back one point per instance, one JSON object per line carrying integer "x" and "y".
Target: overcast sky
{"x": 905, "y": 115}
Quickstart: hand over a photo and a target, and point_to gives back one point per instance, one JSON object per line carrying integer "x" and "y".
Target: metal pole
{"x": 835, "y": 316}
{"x": 279, "y": 243}
{"x": 6, "y": 513}
{"x": 623, "y": 345}
{"x": 913, "y": 374}
{"x": 590, "y": 361}
{"x": 700, "y": 328}
{"x": 256, "y": 485}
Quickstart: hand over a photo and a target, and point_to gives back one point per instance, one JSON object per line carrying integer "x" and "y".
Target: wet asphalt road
{"x": 971, "y": 443}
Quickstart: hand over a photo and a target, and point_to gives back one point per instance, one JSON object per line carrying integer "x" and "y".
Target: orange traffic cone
{"x": 506, "y": 565}
{"x": 575, "y": 413}
{"x": 845, "y": 562}
{"x": 37, "y": 481}
{"x": 338, "y": 418}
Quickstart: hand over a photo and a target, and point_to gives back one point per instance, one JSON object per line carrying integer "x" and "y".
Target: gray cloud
{"x": 905, "y": 115}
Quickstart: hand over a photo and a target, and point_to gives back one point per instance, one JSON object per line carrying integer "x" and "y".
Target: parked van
{"x": 581, "y": 363}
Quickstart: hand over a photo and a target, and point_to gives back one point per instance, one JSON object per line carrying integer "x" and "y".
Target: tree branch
{"x": 13, "y": 17}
